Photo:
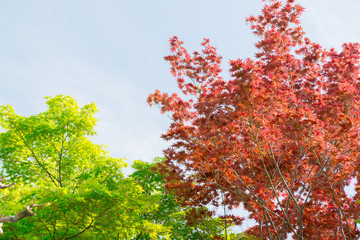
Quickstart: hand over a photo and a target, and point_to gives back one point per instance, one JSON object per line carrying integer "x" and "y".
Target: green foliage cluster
{"x": 170, "y": 214}
{"x": 52, "y": 160}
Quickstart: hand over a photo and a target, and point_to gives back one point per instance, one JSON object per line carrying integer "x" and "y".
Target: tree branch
{"x": 27, "y": 212}
{"x": 3, "y": 186}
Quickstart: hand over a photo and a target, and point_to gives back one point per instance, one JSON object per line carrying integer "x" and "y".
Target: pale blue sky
{"x": 111, "y": 53}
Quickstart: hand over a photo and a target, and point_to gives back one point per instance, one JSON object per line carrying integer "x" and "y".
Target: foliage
{"x": 281, "y": 136}
{"x": 52, "y": 160}
{"x": 179, "y": 220}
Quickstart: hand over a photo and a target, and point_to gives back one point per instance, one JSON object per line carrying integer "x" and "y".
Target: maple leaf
{"x": 280, "y": 137}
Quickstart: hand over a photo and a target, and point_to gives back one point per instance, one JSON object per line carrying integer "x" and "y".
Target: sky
{"x": 111, "y": 53}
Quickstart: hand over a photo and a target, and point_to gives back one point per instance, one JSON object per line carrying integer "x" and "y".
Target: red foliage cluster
{"x": 280, "y": 137}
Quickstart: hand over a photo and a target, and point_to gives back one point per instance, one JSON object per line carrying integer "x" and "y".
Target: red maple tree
{"x": 280, "y": 137}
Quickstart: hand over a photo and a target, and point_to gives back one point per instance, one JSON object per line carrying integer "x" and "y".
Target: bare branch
{"x": 27, "y": 212}
{"x": 3, "y": 186}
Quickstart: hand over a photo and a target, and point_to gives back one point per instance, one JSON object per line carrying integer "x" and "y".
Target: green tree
{"x": 184, "y": 222}
{"x": 52, "y": 161}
